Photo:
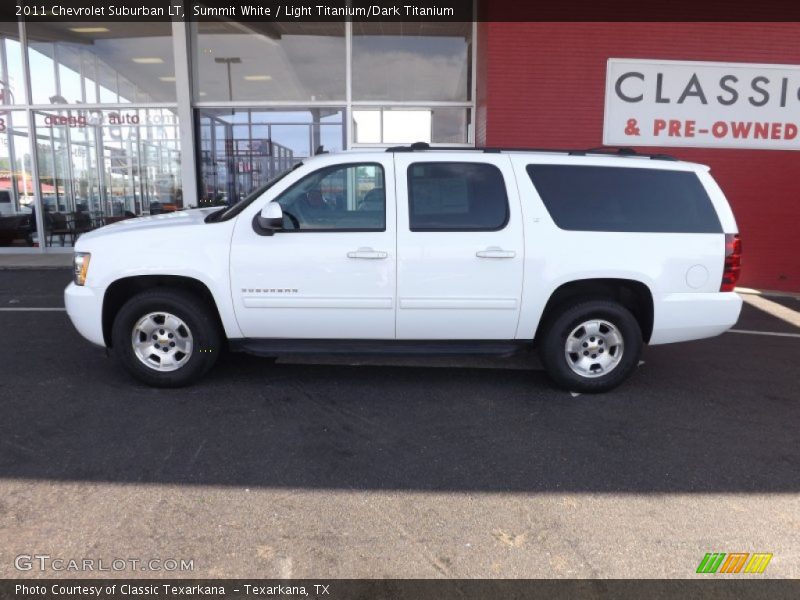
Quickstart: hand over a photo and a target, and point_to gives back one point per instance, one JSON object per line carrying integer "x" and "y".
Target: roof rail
{"x": 604, "y": 150}
{"x": 423, "y": 146}
{"x": 620, "y": 151}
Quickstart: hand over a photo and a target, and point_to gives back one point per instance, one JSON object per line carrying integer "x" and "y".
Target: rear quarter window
{"x": 590, "y": 198}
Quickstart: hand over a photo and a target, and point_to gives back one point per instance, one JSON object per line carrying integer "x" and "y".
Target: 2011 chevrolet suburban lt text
{"x": 585, "y": 256}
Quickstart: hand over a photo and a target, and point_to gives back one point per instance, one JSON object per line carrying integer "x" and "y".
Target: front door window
{"x": 340, "y": 198}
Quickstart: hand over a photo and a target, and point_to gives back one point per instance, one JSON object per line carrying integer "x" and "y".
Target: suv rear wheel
{"x": 592, "y": 346}
{"x": 166, "y": 337}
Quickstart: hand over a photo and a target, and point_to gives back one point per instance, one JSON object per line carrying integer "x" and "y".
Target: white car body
{"x": 424, "y": 285}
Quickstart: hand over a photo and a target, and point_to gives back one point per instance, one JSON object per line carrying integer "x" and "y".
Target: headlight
{"x": 80, "y": 267}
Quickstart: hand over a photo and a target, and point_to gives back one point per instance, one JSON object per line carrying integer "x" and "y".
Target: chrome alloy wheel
{"x": 162, "y": 341}
{"x": 594, "y": 348}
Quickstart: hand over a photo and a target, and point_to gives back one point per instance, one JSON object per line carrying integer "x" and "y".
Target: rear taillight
{"x": 733, "y": 262}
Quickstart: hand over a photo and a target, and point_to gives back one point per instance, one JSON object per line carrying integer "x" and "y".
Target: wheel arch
{"x": 630, "y": 293}
{"x": 121, "y": 290}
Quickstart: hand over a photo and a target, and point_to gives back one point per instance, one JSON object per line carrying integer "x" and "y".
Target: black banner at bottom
{"x": 395, "y": 589}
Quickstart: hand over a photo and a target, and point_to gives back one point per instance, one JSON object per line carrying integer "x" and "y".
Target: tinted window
{"x": 456, "y": 196}
{"x": 341, "y": 197}
{"x": 624, "y": 199}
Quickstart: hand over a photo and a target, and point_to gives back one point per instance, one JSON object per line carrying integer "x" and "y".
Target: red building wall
{"x": 543, "y": 85}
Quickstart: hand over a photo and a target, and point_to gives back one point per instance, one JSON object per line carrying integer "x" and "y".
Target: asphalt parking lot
{"x": 402, "y": 468}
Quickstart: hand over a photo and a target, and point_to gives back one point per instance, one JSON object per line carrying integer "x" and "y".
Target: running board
{"x": 274, "y": 347}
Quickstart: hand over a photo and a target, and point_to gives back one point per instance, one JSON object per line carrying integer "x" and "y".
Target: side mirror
{"x": 269, "y": 220}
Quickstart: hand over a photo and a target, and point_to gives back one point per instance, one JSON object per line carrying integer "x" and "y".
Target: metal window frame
{"x": 41, "y": 234}
{"x": 190, "y": 175}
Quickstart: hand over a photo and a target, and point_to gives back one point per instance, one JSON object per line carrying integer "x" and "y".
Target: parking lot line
{"x": 773, "y": 308}
{"x": 772, "y": 333}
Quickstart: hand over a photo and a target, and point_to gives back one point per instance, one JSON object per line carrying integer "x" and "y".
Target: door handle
{"x": 367, "y": 253}
{"x": 495, "y": 252}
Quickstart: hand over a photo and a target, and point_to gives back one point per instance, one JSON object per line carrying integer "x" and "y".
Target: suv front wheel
{"x": 592, "y": 346}
{"x": 166, "y": 337}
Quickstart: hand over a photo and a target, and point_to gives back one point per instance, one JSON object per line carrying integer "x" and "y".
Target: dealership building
{"x": 102, "y": 121}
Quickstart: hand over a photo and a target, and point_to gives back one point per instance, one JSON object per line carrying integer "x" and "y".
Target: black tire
{"x": 197, "y": 317}
{"x": 552, "y": 345}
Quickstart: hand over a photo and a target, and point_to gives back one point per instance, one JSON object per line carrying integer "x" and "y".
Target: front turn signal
{"x": 80, "y": 267}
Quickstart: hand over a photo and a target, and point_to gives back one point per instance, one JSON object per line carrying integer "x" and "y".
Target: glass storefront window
{"x": 414, "y": 62}
{"x": 17, "y": 221}
{"x": 242, "y": 149}
{"x": 295, "y": 62}
{"x": 406, "y": 125}
{"x": 100, "y": 166}
{"x": 101, "y": 62}
{"x": 265, "y": 96}
{"x": 12, "y": 89}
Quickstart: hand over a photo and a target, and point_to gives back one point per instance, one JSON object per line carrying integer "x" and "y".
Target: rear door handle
{"x": 495, "y": 252}
{"x": 367, "y": 253}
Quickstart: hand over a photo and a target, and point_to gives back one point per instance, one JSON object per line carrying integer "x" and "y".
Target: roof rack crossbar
{"x": 603, "y": 150}
{"x": 621, "y": 151}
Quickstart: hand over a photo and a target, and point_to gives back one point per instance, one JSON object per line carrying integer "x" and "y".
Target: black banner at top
{"x": 245, "y": 10}
{"x": 395, "y": 10}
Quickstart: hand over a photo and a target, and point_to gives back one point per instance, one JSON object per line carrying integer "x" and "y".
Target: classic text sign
{"x": 702, "y": 104}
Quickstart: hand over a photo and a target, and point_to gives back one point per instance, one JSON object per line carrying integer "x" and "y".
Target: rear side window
{"x": 585, "y": 198}
{"x": 445, "y": 196}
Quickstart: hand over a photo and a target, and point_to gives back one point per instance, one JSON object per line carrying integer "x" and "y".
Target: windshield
{"x": 235, "y": 209}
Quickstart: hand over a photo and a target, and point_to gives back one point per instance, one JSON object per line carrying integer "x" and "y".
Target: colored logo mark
{"x": 735, "y": 562}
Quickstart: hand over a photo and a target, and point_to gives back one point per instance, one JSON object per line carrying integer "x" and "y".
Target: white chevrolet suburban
{"x": 585, "y": 255}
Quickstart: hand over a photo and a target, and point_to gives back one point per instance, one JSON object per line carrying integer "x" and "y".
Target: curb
{"x": 34, "y": 267}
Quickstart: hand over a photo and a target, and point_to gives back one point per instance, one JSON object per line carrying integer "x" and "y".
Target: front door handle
{"x": 367, "y": 253}
{"x": 495, "y": 252}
